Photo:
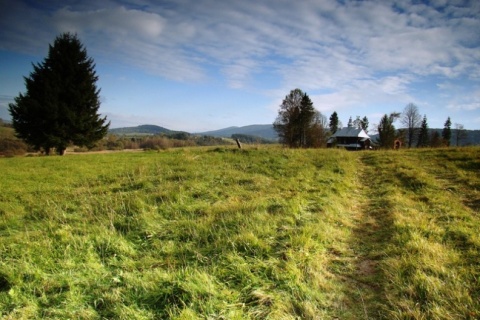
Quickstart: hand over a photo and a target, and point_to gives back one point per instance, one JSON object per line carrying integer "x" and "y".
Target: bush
{"x": 10, "y": 147}
{"x": 156, "y": 143}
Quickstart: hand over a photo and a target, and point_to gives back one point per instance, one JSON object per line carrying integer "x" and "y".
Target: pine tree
{"x": 447, "y": 132}
{"x": 307, "y": 113}
{"x": 423, "y": 139}
{"x": 334, "y": 122}
{"x": 60, "y": 106}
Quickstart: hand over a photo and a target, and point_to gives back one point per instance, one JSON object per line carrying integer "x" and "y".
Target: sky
{"x": 199, "y": 65}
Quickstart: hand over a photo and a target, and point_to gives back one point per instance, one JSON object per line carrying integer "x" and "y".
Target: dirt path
{"x": 364, "y": 284}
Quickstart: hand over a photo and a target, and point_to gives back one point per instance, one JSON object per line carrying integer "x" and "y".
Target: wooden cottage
{"x": 350, "y": 138}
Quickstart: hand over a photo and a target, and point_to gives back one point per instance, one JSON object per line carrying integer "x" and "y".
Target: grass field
{"x": 259, "y": 233}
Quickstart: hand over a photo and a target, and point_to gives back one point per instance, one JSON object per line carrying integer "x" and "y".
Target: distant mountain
{"x": 146, "y": 129}
{"x": 265, "y": 131}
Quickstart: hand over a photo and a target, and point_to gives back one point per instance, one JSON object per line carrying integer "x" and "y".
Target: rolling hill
{"x": 146, "y": 129}
{"x": 259, "y": 130}
{"x": 264, "y": 131}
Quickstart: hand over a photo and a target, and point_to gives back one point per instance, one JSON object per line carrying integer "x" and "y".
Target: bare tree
{"x": 412, "y": 120}
{"x": 318, "y": 131}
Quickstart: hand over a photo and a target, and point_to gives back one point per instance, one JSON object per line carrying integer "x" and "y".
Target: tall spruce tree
{"x": 306, "y": 119}
{"x": 423, "y": 139}
{"x": 334, "y": 122}
{"x": 447, "y": 132}
{"x": 60, "y": 106}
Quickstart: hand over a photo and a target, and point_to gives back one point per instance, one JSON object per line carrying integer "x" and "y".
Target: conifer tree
{"x": 423, "y": 139}
{"x": 334, "y": 122}
{"x": 60, "y": 106}
{"x": 306, "y": 117}
{"x": 447, "y": 132}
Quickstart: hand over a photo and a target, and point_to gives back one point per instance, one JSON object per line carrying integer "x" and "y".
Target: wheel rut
{"x": 364, "y": 282}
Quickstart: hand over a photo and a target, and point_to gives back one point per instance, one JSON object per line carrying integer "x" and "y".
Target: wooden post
{"x": 238, "y": 144}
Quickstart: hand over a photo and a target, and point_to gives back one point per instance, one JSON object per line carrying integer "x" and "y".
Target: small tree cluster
{"x": 298, "y": 124}
{"x": 416, "y": 131}
{"x": 423, "y": 135}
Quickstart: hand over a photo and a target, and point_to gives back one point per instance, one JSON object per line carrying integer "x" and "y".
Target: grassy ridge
{"x": 241, "y": 234}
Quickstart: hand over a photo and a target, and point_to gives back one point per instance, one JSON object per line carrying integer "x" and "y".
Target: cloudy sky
{"x": 198, "y": 65}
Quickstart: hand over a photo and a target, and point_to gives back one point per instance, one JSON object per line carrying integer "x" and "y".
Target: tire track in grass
{"x": 372, "y": 229}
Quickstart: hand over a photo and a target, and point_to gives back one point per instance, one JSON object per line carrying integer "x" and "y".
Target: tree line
{"x": 300, "y": 125}
{"x": 416, "y": 132}
{"x": 11, "y": 146}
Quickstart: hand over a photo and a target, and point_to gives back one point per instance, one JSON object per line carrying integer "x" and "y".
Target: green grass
{"x": 260, "y": 233}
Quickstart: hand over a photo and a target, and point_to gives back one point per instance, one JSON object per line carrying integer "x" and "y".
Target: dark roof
{"x": 351, "y": 132}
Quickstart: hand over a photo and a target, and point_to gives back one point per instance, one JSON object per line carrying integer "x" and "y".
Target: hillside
{"x": 146, "y": 129}
{"x": 259, "y": 130}
{"x": 262, "y": 131}
{"x": 258, "y": 233}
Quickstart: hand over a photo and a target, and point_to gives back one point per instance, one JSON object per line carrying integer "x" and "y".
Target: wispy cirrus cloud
{"x": 329, "y": 43}
{"x": 346, "y": 53}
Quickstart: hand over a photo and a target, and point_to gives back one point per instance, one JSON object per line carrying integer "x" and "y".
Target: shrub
{"x": 156, "y": 143}
{"x": 12, "y": 147}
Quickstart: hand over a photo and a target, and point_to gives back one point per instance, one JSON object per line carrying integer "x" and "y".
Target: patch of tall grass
{"x": 240, "y": 234}
{"x": 431, "y": 262}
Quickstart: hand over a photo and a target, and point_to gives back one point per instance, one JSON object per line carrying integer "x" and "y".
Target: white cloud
{"x": 330, "y": 44}
{"x": 114, "y": 22}
{"x": 466, "y": 106}
{"x": 353, "y": 54}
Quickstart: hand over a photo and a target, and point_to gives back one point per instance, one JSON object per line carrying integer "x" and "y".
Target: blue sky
{"x": 199, "y": 65}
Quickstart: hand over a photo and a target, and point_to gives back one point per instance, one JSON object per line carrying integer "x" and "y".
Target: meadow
{"x": 257, "y": 233}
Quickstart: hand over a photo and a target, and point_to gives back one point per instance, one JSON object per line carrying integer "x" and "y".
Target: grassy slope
{"x": 261, "y": 233}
